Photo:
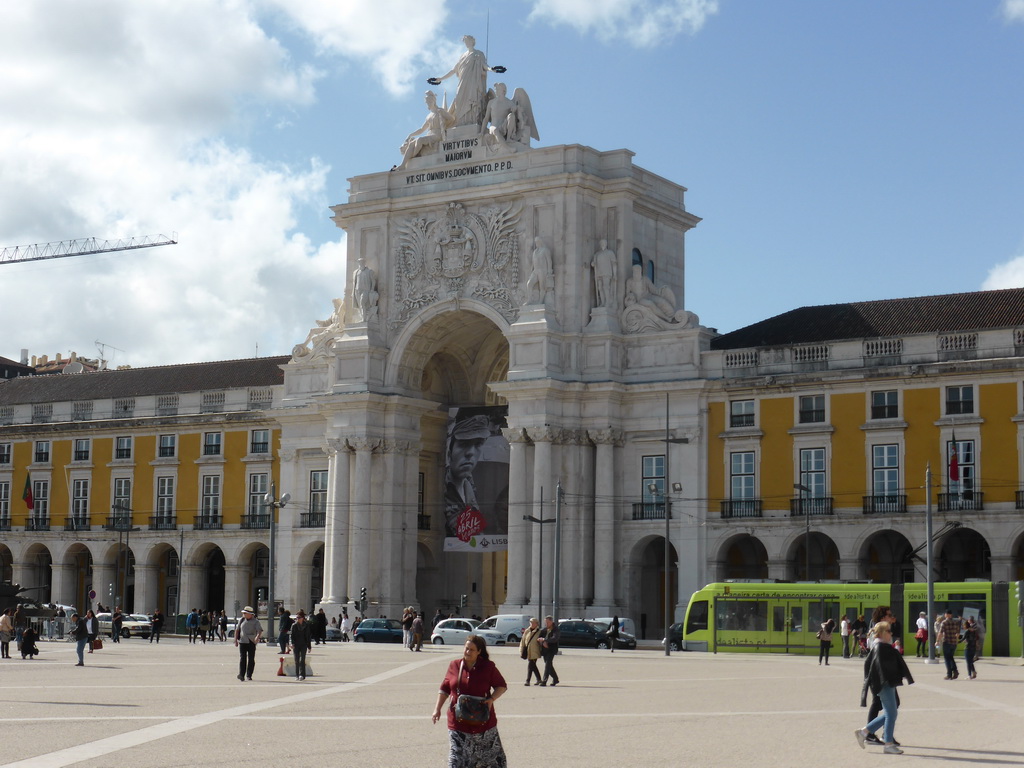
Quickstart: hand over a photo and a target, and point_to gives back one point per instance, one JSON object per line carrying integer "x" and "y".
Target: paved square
{"x": 175, "y": 704}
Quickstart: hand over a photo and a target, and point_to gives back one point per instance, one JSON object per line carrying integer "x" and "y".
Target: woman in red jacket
{"x": 472, "y": 744}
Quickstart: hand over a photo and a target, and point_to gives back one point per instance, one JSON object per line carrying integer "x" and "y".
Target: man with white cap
{"x": 247, "y": 634}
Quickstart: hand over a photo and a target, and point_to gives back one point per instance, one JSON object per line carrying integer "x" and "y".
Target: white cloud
{"x": 1009, "y": 274}
{"x": 642, "y": 23}
{"x": 395, "y": 37}
{"x": 115, "y": 113}
{"x": 1013, "y": 10}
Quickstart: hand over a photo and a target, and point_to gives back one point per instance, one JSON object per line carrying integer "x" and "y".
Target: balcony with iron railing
{"x": 77, "y": 524}
{"x": 163, "y": 523}
{"x": 312, "y": 519}
{"x": 649, "y": 510}
{"x": 738, "y": 508}
{"x": 885, "y": 504}
{"x": 118, "y": 523}
{"x": 5, "y": 523}
{"x": 259, "y": 521}
{"x": 1019, "y": 500}
{"x": 37, "y": 524}
{"x": 972, "y": 501}
{"x": 422, "y": 522}
{"x": 798, "y": 507}
{"x": 208, "y": 522}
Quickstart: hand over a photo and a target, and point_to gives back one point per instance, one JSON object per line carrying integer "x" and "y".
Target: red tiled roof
{"x": 954, "y": 312}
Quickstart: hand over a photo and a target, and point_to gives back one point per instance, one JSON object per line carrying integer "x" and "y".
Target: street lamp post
{"x": 669, "y": 440}
{"x": 123, "y": 523}
{"x": 807, "y": 528}
{"x": 540, "y": 571}
{"x": 271, "y": 501}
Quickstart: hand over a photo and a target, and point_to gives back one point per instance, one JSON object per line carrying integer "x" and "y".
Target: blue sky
{"x": 836, "y": 151}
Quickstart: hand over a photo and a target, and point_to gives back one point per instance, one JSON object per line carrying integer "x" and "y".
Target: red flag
{"x": 30, "y": 502}
{"x": 954, "y": 462}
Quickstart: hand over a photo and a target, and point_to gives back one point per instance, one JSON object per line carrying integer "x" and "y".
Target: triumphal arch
{"x": 511, "y": 322}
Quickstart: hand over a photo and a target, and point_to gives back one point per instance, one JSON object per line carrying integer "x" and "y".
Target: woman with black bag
{"x": 474, "y": 684}
{"x": 529, "y": 649}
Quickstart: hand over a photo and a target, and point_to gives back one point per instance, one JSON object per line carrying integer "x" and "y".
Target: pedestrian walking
{"x": 346, "y": 627}
{"x": 971, "y": 635}
{"x": 613, "y": 633}
{"x": 204, "y": 625}
{"x": 844, "y": 635}
{"x": 157, "y": 623}
{"x": 116, "y": 620}
{"x": 20, "y": 622}
{"x": 825, "y": 639}
{"x": 284, "y": 633}
{"x": 473, "y": 683}
{"x": 92, "y": 626}
{"x": 417, "y": 632}
{"x": 192, "y": 625}
{"x": 884, "y": 671}
{"x": 922, "y": 635}
{"x": 319, "y": 622}
{"x": 222, "y": 626}
{"x": 408, "y": 615}
{"x": 80, "y": 631}
{"x": 949, "y": 636}
{"x": 6, "y": 633}
{"x": 301, "y": 636}
{"x": 549, "y": 649}
{"x": 881, "y": 613}
{"x": 247, "y": 636}
{"x": 530, "y": 650}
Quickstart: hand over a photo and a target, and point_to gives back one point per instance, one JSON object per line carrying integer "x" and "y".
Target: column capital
{"x": 335, "y": 445}
{"x": 545, "y": 434}
{"x": 608, "y": 436}
{"x": 363, "y": 444}
{"x": 516, "y": 435}
{"x": 401, "y": 447}
{"x": 286, "y": 454}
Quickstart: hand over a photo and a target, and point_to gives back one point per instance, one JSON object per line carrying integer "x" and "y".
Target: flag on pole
{"x": 30, "y": 502}
{"x": 954, "y": 462}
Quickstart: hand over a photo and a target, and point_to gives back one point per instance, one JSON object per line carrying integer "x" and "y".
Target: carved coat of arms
{"x": 458, "y": 254}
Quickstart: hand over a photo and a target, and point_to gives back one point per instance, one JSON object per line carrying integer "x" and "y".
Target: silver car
{"x": 455, "y": 632}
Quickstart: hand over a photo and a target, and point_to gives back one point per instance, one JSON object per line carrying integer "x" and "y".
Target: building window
{"x": 122, "y": 496}
{"x": 257, "y": 490}
{"x": 318, "y": 492}
{"x": 5, "y": 453}
{"x": 961, "y": 473}
{"x": 812, "y": 471}
{"x": 741, "y": 475}
{"x": 123, "y": 448}
{"x": 80, "y": 501}
{"x": 211, "y": 444}
{"x": 741, "y": 413}
{"x": 260, "y": 441}
{"x": 42, "y": 454}
{"x": 885, "y": 470}
{"x": 211, "y": 496}
{"x": 41, "y": 497}
{"x": 653, "y": 473}
{"x": 165, "y": 498}
{"x": 167, "y": 446}
{"x": 885, "y": 405}
{"x": 5, "y": 505}
{"x": 812, "y": 409}
{"x": 81, "y": 450}
{"x": 959, "y": 400}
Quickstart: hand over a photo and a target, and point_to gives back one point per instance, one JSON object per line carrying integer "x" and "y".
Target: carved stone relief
{"x": 460, "y": 254}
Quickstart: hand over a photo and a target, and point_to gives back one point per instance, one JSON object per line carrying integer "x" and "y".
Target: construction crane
{"x": 81, "y": 247}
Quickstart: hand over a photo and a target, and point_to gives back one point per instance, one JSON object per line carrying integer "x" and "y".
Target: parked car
{"x": 455, "y": 632}
{"x": 675, "y": 637}
{"x": 333, "y": 633}
{"x": 624, "y": 639}
{"x": 131, "y": 624}
{"x": 509, "y": 625}
{"x": 589, "y": 634}
{"x": 379, "y": 631}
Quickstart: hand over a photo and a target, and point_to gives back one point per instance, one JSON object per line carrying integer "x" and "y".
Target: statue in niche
{"x": 430, "y": 135}
{"x": 364, "y": 290}
{"x": 323, "y": 332}
{"x": 541, "y": 281}
{"x": 605, "y": 269}
{"x": 511, "y": 120}
{"x": 471, "y": 95}
{"x": 648, "y": 307}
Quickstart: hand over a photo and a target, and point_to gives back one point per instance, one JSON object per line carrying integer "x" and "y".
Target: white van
{"x": 511, "y": 625}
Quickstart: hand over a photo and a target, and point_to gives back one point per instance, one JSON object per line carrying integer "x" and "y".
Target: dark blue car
{"x": 379, "y": 631}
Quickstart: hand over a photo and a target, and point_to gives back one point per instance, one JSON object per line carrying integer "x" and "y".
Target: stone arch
{"x": 6, "y": 563}
{"x": 823, "y": 559}
{"x": 429, "y": 581}
{"x": 742, "y": 556}
{"x": 1017, "y": 558}
{"x": 885, "y": 557}
{"x": 646, "y": 583}
{"x": 309, "y": 575}
{"x": 163, "y": 578}
{"x": 36, "y": 567}
{"x": 77, "y": 566}
{"x": 963, "y": 554}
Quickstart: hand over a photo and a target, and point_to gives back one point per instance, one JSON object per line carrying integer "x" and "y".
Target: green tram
{"x": 755, "y": 617}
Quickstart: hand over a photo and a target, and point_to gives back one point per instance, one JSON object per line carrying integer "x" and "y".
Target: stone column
{"x": 519, "y": 530}
{"x": 64, "y": 585}
{"x": 389, "y": 526}
{"x": 191, "y": 592}
{"x": 236, "y": 589}
{"x": 1003, "y": 570}
{"x": 777, "y": 569}
{"x": 103, "y": 576}
{"x": 849, "y": 569}
{"x": 543, "y": 484}
{"x": 411, "y": 529}
{"x": 359, "y": 553}
{"x": 605, "y": 516}
{"x": 336, "y": 530}
{"x": 146, "y": 582}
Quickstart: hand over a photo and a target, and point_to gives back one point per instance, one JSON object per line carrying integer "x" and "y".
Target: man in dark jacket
{"x": 301, "y": 638}
{"x": 81, "y": 634}
{"x": 549, "y": 649}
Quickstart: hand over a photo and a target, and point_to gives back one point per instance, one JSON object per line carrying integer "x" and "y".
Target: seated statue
{"x": 324, "y": 330}
{"x": 511, "y": 120}
{"x": 648, "y": 307}
{"x": 429, "y": 135}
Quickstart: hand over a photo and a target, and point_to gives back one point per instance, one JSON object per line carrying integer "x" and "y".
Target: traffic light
{"x": 362, "y": 600}
{"x": 464, "y": 601}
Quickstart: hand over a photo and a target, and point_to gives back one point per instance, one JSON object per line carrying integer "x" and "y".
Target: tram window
{"x": 697, "y": 618}
{"x": 779, "y": 618}
{"x": 818, "y": 613}
{"x": 796, "y": 618}
{"x": 743, "y": 615}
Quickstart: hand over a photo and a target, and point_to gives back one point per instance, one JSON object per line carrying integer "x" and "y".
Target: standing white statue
{"x": 542, "y": 277}
{"x": 605, "y": 269}
{"x": 364, "y": 290}
{"x": 471, "y": 96}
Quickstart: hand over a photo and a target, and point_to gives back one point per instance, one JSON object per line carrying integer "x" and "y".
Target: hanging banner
{"x": 476, "y": 480}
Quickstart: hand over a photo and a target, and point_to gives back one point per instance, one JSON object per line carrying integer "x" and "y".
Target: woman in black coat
{"x": 884, "y": 671}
